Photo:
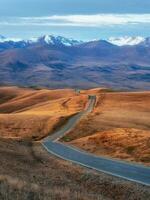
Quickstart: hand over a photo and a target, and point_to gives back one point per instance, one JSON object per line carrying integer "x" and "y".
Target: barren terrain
{"x": 33, "y": 114}
{"x": 27, "y": 171}
{"x": 119, "y": 127}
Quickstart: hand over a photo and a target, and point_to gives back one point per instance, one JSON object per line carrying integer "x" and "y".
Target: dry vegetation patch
{"x": 27, "y": 171}
{"x": 33, "y": 114}
{"x": 119, "y": 127}
{"x": 127, "y": 144}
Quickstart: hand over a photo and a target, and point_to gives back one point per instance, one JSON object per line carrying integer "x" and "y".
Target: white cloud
{"x": 79, "y": 20}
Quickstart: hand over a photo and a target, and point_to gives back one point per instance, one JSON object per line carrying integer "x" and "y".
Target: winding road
{"x": 132, "y": 172}
{"x": 73, "y": 121}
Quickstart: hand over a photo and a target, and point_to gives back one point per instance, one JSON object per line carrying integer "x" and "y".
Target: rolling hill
{"x": 33, "y": 114}
{"x": 28, "y": 115}
{"x": 118, "y": 127}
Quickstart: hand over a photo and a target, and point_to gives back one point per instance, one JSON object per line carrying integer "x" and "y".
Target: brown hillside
{"x": 123, "y": 119}
{"x": 28, "y": 113}
{"x": 128, "y": 144}
{"x": 27, "y": 171}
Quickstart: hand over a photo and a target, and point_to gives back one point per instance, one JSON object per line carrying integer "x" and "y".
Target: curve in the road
{"x": 73, "y": 121}
{"x": 136, "y": 173}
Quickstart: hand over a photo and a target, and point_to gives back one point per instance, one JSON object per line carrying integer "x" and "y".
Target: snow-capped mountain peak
{"x": 63, "y": 41}
{"x": 121, "y": 41}
{"x": 4, "y": 39}
{"x": 59, "y": 40}
{"x": 47, "y": 39}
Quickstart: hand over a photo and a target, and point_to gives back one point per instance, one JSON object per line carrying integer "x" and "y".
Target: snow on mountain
{"x": 3, "y": 39}
{"x": 62, "y": 41}
{"x": 59, "y": 40}
{"x": 32, "y": 40}
{"x": 121, "y": 41}
{"x": 48, "y": 39}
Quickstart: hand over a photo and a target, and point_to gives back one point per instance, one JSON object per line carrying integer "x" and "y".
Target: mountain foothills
{"x": 58, "y": 62}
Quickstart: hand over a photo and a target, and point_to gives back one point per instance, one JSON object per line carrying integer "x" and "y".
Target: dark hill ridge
{"x": 59, "y": 63}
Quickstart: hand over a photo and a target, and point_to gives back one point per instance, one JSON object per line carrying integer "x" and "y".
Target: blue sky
{"x": 81, "y": 19}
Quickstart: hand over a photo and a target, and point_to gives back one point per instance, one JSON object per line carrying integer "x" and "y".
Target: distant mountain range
{"x": 58, "y": 62}
{"x": 46, "y": 39}
{"x": 59, "y": 40}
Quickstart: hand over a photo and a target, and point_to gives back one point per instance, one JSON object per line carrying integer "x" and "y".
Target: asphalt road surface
{"x": 132, "y": 172}
{"x": 73, "y": 121}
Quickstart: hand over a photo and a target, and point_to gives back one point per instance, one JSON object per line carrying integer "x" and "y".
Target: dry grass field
{"x": 28, "y": 113}
{"x": 28, "y": 172}
{"x": 128, "y": 144}
{"x": 119, "y": 127}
